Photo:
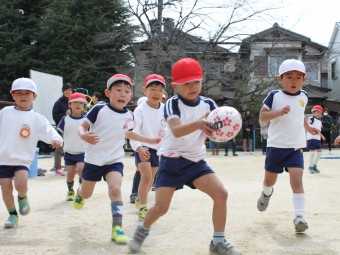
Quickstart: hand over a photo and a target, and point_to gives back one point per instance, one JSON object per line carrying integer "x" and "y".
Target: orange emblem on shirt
{"x": 25, "y": 131}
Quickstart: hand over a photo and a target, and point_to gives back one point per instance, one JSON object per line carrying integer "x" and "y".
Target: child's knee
{"x": 161, "y": 210}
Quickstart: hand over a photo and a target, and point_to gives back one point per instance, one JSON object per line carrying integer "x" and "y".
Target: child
{"x": 74, "y": 147}
{"x": 20, "y": 130}
{"x": 182, "y": 156}
{"x": 149, "y": 118}
{"x": 104, "y": 129}
{"x": 286, "y": 137}
{"x": 314, "y": 144}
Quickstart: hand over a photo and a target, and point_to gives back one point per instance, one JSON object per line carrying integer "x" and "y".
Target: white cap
{"x": 292, "y": 65}
{"x": 24, "y": 84}
{"x": 141, "y": 100}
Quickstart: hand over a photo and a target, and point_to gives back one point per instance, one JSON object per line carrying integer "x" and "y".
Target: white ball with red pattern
{"x": 227, "y": 122}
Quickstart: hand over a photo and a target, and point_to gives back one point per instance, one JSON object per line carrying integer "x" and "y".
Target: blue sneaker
{"x": 12, "y": 221}
{"x": 24, "y": 206}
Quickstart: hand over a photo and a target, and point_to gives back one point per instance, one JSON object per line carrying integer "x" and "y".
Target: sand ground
{"x": 55, "y": 227}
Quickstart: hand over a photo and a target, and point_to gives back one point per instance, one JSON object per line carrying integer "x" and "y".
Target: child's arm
{"x": 267, "y": 115}
{"x": 137, "y": 137}
{"x": 310, "y": 129}
{"x": 337, "y": 140}
{"x": 178, "y": 129}
{"x": 322, "y": 137}
{"x": 87, "y": 136}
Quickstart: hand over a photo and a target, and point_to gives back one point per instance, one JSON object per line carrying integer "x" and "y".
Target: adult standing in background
{"x": 247, "y": 131}
{"x": 59, "y": 110}
{"x": 97, "y": 98}
{"x": 326, "y": 130}
{"x": 264, "y": 135}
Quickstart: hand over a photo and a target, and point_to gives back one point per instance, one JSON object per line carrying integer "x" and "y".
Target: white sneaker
{"x": 300, "y": 224}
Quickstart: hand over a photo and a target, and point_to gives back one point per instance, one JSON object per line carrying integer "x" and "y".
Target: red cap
{"x": 119, "y": 77}
{"x": 317, "y": 108}
{"x": 154, "y": 78}
{"x": 186, "y": 70}
{"x": 77, "y": 97}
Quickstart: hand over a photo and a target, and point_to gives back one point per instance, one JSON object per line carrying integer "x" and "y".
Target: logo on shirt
{"x": 302, "y": 103}
{"x": 25, "y": 131}
{"x": 129, "y": 125}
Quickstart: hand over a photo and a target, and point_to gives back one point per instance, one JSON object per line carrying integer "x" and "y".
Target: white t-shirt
{"x": 110, "y": 125}
{"x": 287, "y": 131}
{"x": 314, "y": 122}
{"x": 15, "y": 125}
{"x": 68, "y": 126}
{"x": 191, "y": 146}
{"x": 150, "y": 122}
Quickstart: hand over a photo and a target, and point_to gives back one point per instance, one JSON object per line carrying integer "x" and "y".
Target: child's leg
{"x": 80, "y": 167}
{"x": 212, "y": 186}
{"x": 135, "y": 184}
{"x": 20, "y": 183}
{"x": 145, "y": 182}
{"x": 86, "y": 189}
{"x": 70, "y": 176}
{"x": 7, "y": 192}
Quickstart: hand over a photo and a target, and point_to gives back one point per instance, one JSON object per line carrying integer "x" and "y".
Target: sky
{"x": 312, "y": 18}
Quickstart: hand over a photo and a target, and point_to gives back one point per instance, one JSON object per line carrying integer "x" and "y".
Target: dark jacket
{"x": 326, "y": 123}
{"x": 248, "y": 122}
{"x": 59, "y": 109}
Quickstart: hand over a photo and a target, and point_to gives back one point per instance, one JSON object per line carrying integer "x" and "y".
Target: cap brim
{"x": 187, "y": 79}
{"x": 154, "y": 80}
{"x": 114, "y": 79}
{"x": 12, "y": 90}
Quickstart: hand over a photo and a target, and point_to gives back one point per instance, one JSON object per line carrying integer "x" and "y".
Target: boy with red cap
{"x": 105, "y": 129}
{"x": 20, "y": 130}
{"x": 285, "y": 109}
{"x": 74, "y": 147}
{"x": 149, "y": 118}
{"x": 314, "y": 144}
{"x": 182, "y": 154}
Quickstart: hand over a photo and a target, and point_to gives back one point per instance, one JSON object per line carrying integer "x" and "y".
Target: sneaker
{"x": 223, "y": 249}
{"x": 137, "y": 239}
{"x": 316, "y": 169}
{"x": 311, "y": 170}
{"x": 137, "y": 203}
{"x": 300, "y": 224}
{"x": 263, "y": 201}
{"x": 59, "y": 172}
{"x": 70, "y": 196}
{"x": 118, "y": 235}
{"x": 24, "y": 206}
{"x": 142, "y": 212}
{"x": 235, "y": 154}
{"x": 12, "y": 221}
{"x": 226, "y": 154}
{"x": 78, "y": 202}
{"x": 133, "y": 197}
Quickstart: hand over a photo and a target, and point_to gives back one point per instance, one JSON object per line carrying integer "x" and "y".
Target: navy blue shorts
{"x": 9, "y": 171}
{"x": 314, "y": 144}
{"x": 177, "y": 172}
{"x": 95, "y": 173}
{"x": 154, "y": 158}
{"x": 73, "y": 159}
{"x": 278, "y": 159}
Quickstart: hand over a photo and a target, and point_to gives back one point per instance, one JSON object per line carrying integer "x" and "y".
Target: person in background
{"x": 97, "y": 98}
{"x": 247, "y": 131}
{"x": 326, "y": 130}
{"x": 214, "y": 147}
{"x": 59, "y": 110}
{"x": 233, "y": 147}
{"x": 264, "y": 125}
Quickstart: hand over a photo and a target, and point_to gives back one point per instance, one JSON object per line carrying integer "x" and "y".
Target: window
{"x": 334, "y": 72}
{"x": 274, "y": 64}
{"x": 312, "y": 70}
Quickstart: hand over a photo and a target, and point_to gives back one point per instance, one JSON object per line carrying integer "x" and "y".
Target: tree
{"x": 194, "y": 31}
{"x": 19, "y": 23}
{"x": 85, "y": 41}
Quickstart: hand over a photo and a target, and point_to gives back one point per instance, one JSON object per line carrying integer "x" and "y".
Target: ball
{"x": 227, "y": 122}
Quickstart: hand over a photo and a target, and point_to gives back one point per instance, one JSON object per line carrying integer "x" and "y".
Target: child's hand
{"x": 143, "y": 153}
{"x": 313, "y": 130}
{"x": 90, "y": 137}
{"x": 56, "y": 144}
{"x": 337, "y": 140}
{"x": 205, "y": 125}
{"x": 284, "y": 110}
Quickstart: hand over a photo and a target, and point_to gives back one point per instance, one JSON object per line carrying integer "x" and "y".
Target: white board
{"x": 49, "y": 89}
